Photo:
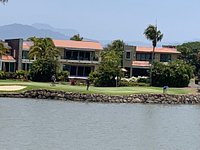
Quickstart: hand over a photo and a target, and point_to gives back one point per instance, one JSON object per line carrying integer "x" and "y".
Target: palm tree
{"x": 154, "y": 35}
{"x": 43, "y": 48}
{"x": 76, "y": 38}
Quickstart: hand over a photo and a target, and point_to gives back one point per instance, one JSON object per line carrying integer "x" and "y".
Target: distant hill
{"x": 26, "y": 31}
{"x": 66, "y": 32}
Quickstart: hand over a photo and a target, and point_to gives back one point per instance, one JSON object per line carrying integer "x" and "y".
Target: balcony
{"x": 79, "y": 60}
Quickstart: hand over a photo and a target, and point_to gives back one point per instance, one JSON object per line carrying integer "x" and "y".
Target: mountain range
{"x": 39, "y": 30}
{"x": 16, "y": 30}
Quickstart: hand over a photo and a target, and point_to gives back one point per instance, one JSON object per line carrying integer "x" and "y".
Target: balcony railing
{"x": 80, "y": 58}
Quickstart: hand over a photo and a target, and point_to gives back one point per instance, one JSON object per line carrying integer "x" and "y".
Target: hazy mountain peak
{"x": 17, "y": 30}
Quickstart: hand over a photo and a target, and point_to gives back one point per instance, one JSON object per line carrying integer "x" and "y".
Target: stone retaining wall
{"x": 99, "y": 98}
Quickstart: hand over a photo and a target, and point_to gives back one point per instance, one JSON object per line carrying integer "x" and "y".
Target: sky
{"x": 178, "y": 20}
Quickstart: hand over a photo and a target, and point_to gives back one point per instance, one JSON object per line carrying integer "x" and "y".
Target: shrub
{"x": 43, "y": 69}
{"x": 130, "y": 83}
{"x": 173, "y": 74}
{"x": 21, "y": 74}
{"x": 10, "y": 75}
{"x": 63, "y": 76}
{"x": 143, "y": 80}
{"x": 93, "y": 77}
{"x": 2, "y": 75}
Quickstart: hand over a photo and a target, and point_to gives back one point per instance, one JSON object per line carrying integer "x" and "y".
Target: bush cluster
{"x": 173, "y": 74}
{"x": 19, "y": 74}
{"x": 42, "y": 70}
{"x": 134, "y": 81}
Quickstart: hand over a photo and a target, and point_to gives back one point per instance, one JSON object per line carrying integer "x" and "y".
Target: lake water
{"x": 27, "y": 124}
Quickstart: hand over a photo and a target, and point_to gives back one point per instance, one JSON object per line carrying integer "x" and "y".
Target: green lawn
{"x": 99, "y": 90}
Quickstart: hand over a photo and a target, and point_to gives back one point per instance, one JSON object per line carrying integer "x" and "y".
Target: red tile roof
{"x": 157, "y": 50}
{"x": 141, "y": 64}
{"x": 7, "y": 57}
{"x": 78, "y": 44}
{"x": 70, "y": 44}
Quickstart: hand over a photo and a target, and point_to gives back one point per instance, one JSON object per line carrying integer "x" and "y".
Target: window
{"x": 128, "y": 55}
{"x": 68, "y": 54}
{"x": 143, "y": 56}
{"x": 165, "y": 57}
{"x": 25, "y": 55}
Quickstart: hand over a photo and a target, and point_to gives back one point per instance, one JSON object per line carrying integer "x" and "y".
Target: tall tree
{"x": 154, "y": 35}
{"x": 76, "y": 37}
{"x": 190, "y": 53}
{"x": 46, "y": 64}
{"x": 118, "y": 47}
{"x": 108, "y": 72}
{"x": 43, "y": 48}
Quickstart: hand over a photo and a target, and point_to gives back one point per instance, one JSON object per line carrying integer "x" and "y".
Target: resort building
{"x": 77, "y": 57}
{"x": 82, "y": 57}
{"x": 136, "y": 60}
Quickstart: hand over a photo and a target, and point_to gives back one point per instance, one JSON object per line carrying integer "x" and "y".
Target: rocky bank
{"x": 99, "y": 98}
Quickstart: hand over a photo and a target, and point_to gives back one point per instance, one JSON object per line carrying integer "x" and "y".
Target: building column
{"x": 131, "y": 71}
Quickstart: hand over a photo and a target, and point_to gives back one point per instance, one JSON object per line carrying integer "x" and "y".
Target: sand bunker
{"x": 12, "y": 88}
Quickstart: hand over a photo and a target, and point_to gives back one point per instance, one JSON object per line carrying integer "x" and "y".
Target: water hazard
{"x": 27, "y": 124}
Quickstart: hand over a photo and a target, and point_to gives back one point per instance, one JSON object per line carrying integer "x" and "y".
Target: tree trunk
{"x": 152, "y": 62}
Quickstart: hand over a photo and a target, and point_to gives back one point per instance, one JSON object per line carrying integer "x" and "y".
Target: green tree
{"x": 43, "y": 48}
{"x": 174, "y": 74}
{"x": 118, "y": 47}
{"x": 108, "y": 70}
{"x": 76, "y": 37}
{"x": 154, "y": 35}
{"x": 46, "y": 63}
{"x": 190, "y": 53}
{"x": 43, "y": 69}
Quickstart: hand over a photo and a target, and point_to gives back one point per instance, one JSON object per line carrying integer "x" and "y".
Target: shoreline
{"x": 101, "y": 98}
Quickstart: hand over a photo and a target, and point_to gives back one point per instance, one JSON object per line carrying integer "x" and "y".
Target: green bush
{"x": 173, "y": 74}
{"x": 63, "y": 76}
{"x": 131, "y": 83}
{"x": 21, "y": 74}
{"x": 10, "y": 75}
{"x": 43, "y": 69}
{"x": 2, "y": 75}
{"x": 143, "y": 80}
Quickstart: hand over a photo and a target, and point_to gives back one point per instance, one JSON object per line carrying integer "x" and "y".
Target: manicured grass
{"x": 99, "y": 90}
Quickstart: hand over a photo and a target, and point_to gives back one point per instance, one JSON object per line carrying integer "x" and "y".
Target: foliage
{"x": 143, "y": 80}
{"x": 43, "y": 69}
{"x": 173, "y": 74}
{"x": 153, "y": 34}
{"x": 131, "y": 83}
{"x": 43, "y": 48}
{"x": 3, "y": 49}
{"x": 63, "y": 75}
{"x": 10, "y": 75}
{"x": 47, "y": 63}
{"x": 118, "y": 47}
{"x": 21, "y": 74}
{"x": 2, "y": 75}
{"x": 108, "y": 70}
{"x": 190, "y": 53}
{"x": 76, "y": 38}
